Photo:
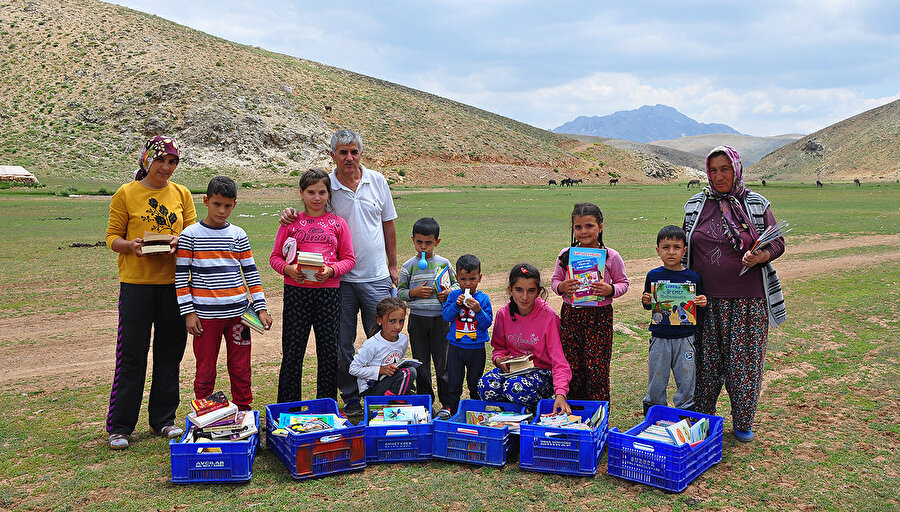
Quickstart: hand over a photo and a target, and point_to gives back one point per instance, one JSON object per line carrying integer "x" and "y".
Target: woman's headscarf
{"x": 153, "y": 149}
{"x": 734, "y": 217}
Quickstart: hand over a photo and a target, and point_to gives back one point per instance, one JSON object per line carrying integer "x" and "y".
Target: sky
{"x": 762, "y": 67}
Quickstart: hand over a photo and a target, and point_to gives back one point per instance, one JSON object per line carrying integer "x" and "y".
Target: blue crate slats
{"x": 385, "y": 443}
{"x": 458, "y": 441}
{"x": 316, "y": 454}
{"x": 564, "y": 451}
{"x": 659, "y": 464}
{"x": 233, "y": 464}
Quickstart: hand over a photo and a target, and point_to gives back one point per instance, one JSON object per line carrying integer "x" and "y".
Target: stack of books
{"x": 513, "y": 420}
{"x": 520, "y": 365}
{"x": 677, "y": 433}
{"x": 310, "y": 263}
{"x": 400, "y": 415}
{"x": 214, "y": 418}
{"x": 155, "y": 243}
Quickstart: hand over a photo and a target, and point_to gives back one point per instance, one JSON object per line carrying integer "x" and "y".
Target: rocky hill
{"x": 84, "y": 83}
{"x": 864, "y": 146}
{"x": 645, "y": 124}
{"x": 752, "y": 149}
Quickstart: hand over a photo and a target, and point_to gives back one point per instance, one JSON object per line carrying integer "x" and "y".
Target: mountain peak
{"x": 644, "y": 124}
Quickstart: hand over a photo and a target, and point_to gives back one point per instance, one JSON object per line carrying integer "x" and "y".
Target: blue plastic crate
{"x": 316, "y": 454}
{"x": 659, "y": 464}
{"x": 398, "y": 443}
{"x": 458, "y": 441}
{"x": 190, "y": 465}
{"x": 564, "y": 451}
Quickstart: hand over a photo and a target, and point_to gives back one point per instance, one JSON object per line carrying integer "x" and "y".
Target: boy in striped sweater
{"x": 213, "y": 265}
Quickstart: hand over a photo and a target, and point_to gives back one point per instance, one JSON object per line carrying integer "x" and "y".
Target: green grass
{"x": 827, "y": 422}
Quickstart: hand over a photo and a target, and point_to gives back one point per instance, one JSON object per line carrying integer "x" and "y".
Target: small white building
{"x": 16, "y": 173}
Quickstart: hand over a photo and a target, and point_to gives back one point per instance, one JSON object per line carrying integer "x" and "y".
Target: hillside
{"x": 863, "y": 146}
{"x": 85, "y": 82}
{"x": 752, "y": 149}
{"x": 645, "y": 124}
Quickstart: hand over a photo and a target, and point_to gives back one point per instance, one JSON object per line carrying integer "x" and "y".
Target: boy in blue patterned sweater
{"x": 469, "y": 313}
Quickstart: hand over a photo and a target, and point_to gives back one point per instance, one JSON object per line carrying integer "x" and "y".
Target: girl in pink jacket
{"x": 527, "y": 325}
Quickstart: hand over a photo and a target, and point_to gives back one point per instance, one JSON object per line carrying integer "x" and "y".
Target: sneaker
{"x": 170, "y": 432}
{"x": 744, "y": 436}
{"x": 444, "y": 414}
{"x": 118, "y": 441}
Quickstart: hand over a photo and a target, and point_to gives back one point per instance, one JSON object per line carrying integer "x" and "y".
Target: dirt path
{"x": 76, "y": 348}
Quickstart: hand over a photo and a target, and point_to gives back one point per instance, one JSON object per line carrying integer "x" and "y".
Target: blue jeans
{"x": 355, "y": 298}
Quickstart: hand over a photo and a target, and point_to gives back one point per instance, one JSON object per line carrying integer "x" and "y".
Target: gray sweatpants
{"x": 675, "y": 355}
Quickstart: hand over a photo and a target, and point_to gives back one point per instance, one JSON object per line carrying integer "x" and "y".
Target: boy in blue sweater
{"x": 672, "y": 333}
{"x": 469, "y": 313}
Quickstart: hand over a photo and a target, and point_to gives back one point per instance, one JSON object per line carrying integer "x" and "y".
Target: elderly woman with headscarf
{"x": 722, "y": 223}
{"x": 150, "y": 203}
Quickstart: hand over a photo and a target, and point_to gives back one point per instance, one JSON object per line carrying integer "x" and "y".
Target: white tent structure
{"x": 16, "y": 173}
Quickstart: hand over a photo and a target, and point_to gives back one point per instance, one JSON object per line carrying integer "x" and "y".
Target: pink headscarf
{"x": 153, "y": 149}
{"x": 734, "y": 217}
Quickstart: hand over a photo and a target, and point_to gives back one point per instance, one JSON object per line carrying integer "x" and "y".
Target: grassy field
{"x": 827, "y": 425}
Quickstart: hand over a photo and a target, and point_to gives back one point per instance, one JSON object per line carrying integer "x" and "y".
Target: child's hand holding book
{"x": 388, "y": 369}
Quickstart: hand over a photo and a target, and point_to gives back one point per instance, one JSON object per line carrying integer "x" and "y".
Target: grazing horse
{"x": 566, "y": 182}
{"x": 551, "y": 182}
{"x": 693, "y": 182}
{"x": 577, "y": 182}
{"x": 856, "y": 182}
{"x": 818, "y": 183}
{"x": 764, "y": 183}
{"x": 613, "y": 181}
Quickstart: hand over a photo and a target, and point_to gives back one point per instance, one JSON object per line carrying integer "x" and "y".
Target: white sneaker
{"x": 118, "y": 441}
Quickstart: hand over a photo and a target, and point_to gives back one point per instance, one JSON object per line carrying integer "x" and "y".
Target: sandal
{"x": 118, "y": 441}
{"x": 170, "y": 432}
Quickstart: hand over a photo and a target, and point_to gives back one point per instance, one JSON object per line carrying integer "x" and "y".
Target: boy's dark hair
{"x": 468, "y": 262}
{"x": 426, "y": 226}
{"x": 671, "y": 232}
{"x": 524, "y": 271}
{"x": 223, "y": 186}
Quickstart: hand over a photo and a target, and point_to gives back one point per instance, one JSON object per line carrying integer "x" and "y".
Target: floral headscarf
{"x": 734, "y": 217}
{"x": 153, "y": 149}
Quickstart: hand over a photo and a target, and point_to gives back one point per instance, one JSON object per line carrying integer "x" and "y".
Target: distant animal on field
{"x": 764, "y": 183}
{"x": 856, "y": 182}
{"x": 818, "y": 183}
{"x": 551, "y": 182}
{"x": 577, "y": 182}
{"x": 693, "y": 182}
{"x": 566, "y": 182}
{"x": 613, "y": 181}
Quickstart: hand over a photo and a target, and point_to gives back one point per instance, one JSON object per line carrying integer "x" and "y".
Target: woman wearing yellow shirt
{"x": 147, "y": 293}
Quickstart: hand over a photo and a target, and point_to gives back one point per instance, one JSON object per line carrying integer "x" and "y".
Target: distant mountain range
{"x": 646, "y": 124}
{"x": 751, "y": 149}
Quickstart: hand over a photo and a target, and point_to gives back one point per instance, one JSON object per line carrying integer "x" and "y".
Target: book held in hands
{"x": 519, "y": 365}
{"x": 585, "y": 265}
{"x": 156, "y": 243}
{"x": 673, "y": 303}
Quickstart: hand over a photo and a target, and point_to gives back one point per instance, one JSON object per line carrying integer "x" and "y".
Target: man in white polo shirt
{"x": 362, "y": 197}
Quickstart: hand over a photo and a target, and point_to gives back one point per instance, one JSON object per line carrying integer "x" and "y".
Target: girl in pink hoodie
{"x": 527, "y": 325}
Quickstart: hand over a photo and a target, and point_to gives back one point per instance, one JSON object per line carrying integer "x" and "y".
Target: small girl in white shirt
{"x": 375, "y": 365}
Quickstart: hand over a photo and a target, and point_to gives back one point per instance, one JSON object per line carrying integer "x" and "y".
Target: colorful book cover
{"x": 587, "y": 266}
{"x": 214, "y": 401}
{"x": 673, "y": 303}
{"x": 442, "y": 279}
{"x": 251, "y": 319}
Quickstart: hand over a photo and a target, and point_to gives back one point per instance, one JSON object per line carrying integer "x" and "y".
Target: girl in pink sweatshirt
{"x": 527, "y": 325}
{"x": 311, "y": 302}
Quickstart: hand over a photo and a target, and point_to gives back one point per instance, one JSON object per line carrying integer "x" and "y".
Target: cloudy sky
{"x": 762, "y": 67}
